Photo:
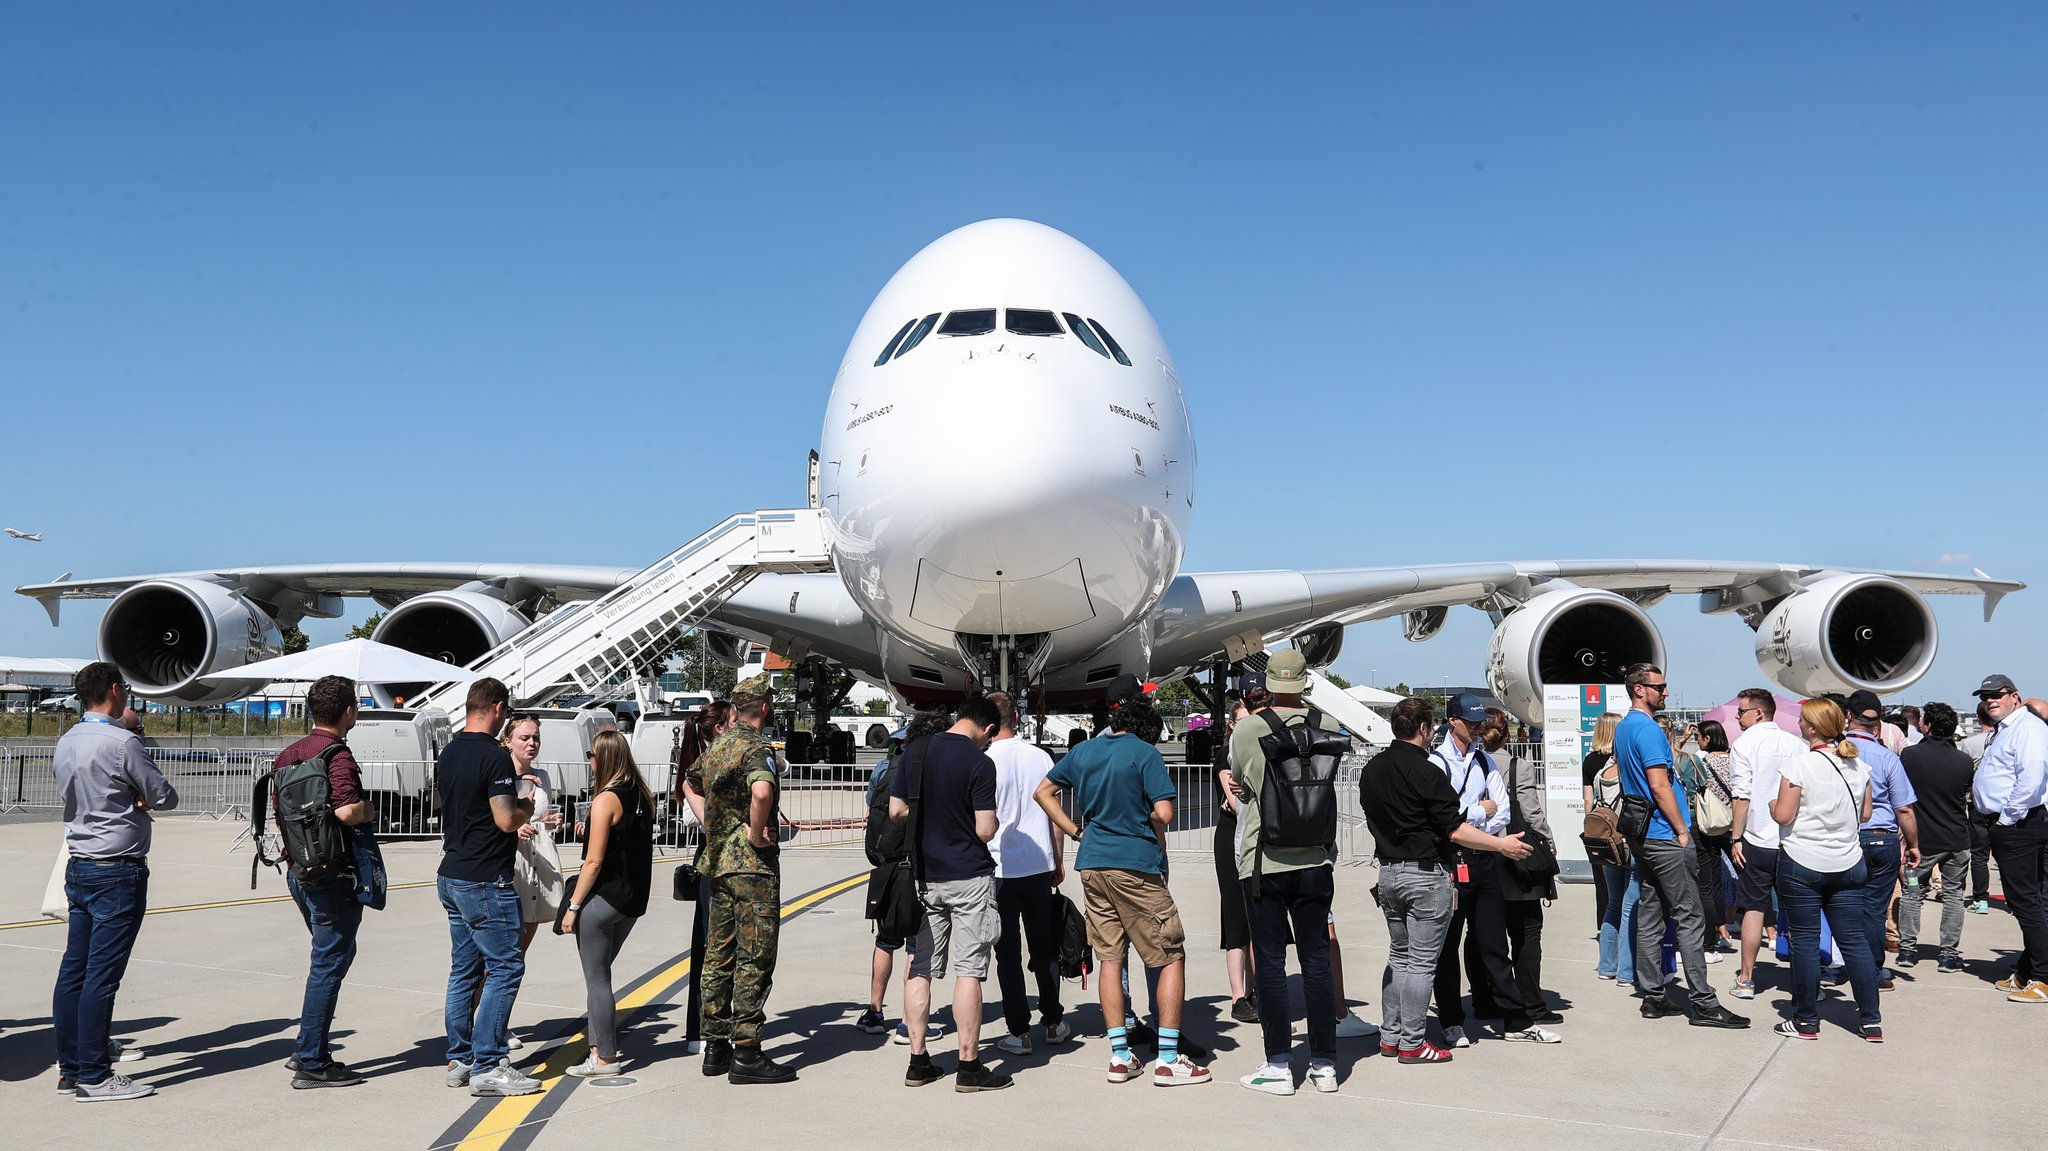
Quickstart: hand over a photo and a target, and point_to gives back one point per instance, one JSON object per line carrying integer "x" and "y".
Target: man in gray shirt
{"x": 109, "y": 785}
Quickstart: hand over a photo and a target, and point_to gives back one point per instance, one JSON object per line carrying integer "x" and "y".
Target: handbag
{"x": 1713, "y": 806}
{"x": 56, "y": 902}
{"x": 1535, "y": 871}
{"x": 688, "y": 882}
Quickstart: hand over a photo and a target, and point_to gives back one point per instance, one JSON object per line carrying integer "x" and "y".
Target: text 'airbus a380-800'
{"x": 952, "y": 560}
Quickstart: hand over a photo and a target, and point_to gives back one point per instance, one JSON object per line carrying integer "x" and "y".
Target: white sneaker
{"x": 1456, "y": 1037}
{"x": 1182, "y": 1072}
{"x": 1714, "y": 957}
{"x": 1323, "y": 1077}
{"x": 122, "y": 1053}
{"x": 504, "y": 1079}
{"x": 1269, "y": 1080}
{"x": 1532, "y": 1035}
{"x": 1015, "y": 1044}
{"x": 458, "y": 1075}
{"x": 592, "y": 1067}
{"x": 513, "y": 1042}
{"x": 1126, "y": 1069}
{"x": 112, "y": 1088}
{"x": 1058, "y": 1033}
{"x": 1352, "y": 1027}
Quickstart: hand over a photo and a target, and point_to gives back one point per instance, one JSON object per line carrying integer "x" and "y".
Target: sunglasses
{"x": 1746, "y": 710}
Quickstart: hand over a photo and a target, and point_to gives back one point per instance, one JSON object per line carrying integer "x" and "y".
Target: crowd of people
{"x": 1813, "y": 832}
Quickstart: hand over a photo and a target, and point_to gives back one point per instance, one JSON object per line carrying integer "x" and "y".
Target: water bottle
{"x": 1912, "y": 879}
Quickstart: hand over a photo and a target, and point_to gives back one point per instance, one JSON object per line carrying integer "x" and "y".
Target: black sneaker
{"x": 872, "y": 1023}
{"x": 292, "y": 1064}
{"x": 752, "y": 1065}
{"x": 922, "y": 1072}
{"x": 1546, "y": 1016}
{"x": 1720, "y": 1017}
{"x": 1908, "y": 956}
{"x": 717, "y": 1057}
{"x": 1791, "y": 1030}
{"x": 335, "y": 1074}
{"x": 1872, "y": 1033}
{"x": 1245, "y": 1010}
{"x": 1950, "y": 963}
{"x": 67, "y": 1084}
{"x": 1658, "y": 1007}
{"x": 977, "y": 1077}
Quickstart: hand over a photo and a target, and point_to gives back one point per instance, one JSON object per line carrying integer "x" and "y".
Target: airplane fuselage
{"x": 1020, "y": 464}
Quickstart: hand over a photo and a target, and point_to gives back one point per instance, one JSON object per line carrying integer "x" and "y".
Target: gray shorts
{"x": 960, "y": 929}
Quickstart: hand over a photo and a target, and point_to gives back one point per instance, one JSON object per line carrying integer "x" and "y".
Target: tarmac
{"x": 213, "y": 996}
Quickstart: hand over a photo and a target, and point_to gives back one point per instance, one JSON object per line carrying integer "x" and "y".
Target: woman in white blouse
{"x": 1823, "y": 796}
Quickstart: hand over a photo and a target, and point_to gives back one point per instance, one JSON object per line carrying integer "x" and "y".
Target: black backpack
{"x": 1075, "y": 958}
{"x": 886, "y": 840}
{"x": 1298, "y": 796}
{"x": 316, "y": 845}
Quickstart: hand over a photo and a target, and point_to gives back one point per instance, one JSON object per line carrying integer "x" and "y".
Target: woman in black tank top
{"x": 611, "y": 892}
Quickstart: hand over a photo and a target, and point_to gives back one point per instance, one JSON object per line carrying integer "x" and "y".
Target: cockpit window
{"x": 1031, "y": 322}
{"x": 893, "y": 341}
{"x": 917, "y": 335}
{"x": 1115, "y": 349}
{"x": 1088, "y": 337}
{"x": 969, "y": 322}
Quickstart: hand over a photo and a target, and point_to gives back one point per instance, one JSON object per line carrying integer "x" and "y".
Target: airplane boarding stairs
{"x": 585, "y": 645}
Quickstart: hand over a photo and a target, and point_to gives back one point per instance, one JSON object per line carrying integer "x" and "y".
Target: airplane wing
{"x": 1209, "y": 612}
{"x": 301, "y": 590}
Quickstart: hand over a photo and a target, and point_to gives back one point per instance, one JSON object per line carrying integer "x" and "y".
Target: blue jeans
{"x": 332, "y": 916}
{"x": 483, "y": 926}
{"x": 107, "y": 899}
{"x": 1881, "y": 851}
{"x": 1618, "y": 929}
{"x": 1300, "y": 900}
{"x": 1804, "y": 894}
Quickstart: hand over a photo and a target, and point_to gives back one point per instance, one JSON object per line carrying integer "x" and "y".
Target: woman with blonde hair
{"x": 611, "y": 891}
{"x": 1618, "y": 886}
{"x": 1823, "y": 796}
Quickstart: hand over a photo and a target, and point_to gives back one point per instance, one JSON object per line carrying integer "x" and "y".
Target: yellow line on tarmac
{"x": 253, "y": 901}
{"x": 494, "y": 1129}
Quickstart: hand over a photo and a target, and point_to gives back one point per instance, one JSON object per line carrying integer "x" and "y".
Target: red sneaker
{"x": 1427, "y": 1053}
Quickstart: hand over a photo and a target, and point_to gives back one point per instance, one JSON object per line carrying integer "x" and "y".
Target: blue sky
{"x": 278, "y": 283}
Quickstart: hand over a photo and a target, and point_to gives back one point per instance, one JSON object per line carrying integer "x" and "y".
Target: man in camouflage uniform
{"x": 736, "y": 777}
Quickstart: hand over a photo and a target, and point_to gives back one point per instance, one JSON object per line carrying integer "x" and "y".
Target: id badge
{"x": 1464, "y": 873}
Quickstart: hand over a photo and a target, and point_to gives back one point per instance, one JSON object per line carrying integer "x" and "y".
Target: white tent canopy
{"x": 362, "y": 660}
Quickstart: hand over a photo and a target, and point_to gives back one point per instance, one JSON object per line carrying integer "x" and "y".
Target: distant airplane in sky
{"x": 32, "y": 537}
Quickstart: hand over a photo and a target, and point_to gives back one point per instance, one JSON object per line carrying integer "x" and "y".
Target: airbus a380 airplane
{"x": 1043, "y": 553}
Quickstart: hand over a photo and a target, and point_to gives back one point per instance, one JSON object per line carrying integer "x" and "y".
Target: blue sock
{"x": 1169, "y": 1044}
{"x": 1119, "y": 1042}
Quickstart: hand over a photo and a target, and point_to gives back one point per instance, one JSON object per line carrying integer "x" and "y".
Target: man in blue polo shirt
{"x": 1665, "y": 864}
{"x": 1890, "y": 835}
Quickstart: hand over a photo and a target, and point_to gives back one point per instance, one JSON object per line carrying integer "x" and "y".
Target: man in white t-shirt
{"x": 1030, "y": 863}
{"x": 1754, "y": 761}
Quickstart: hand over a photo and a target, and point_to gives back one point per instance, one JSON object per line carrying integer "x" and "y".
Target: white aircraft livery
{"x": 966, "y": 555}
{"x": 32, "y": 537}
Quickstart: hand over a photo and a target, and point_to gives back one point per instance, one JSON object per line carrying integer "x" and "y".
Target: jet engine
{"x": 451, "y": 626}
{"x": 1569, "y": 635}
{"x": 1845, "y": 632}
{"x": 1321, "y": 646}
{"x": 164, "y": 634}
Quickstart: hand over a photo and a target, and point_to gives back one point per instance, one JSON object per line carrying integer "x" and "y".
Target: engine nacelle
{"x": 1321, "y": 646}
{"x": 164, "y": 634}
{"x": 1846, "y": 632}
{"x": 452, "y": 626}
{"x": 1570, "y": 635}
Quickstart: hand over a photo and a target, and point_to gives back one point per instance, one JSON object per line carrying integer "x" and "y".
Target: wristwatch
{"x": 575, "y": 907}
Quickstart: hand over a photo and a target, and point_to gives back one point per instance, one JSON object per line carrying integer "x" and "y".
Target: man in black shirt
{"x": 1415, "y": 817}
{"x": 482, "y": 822}
{"x": 1941, "y": 774}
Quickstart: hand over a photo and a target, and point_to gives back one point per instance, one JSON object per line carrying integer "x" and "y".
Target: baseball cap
{"x": 1467, "y": 707}
{"x": 1251, "y": 681}
{"x": 1994, "y": 685}
{"x": 1287, "y": 672}
{"x": 753, "y": 690}
{"x": 1125, "y": 688}
{"x": 1863, "y": 705}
